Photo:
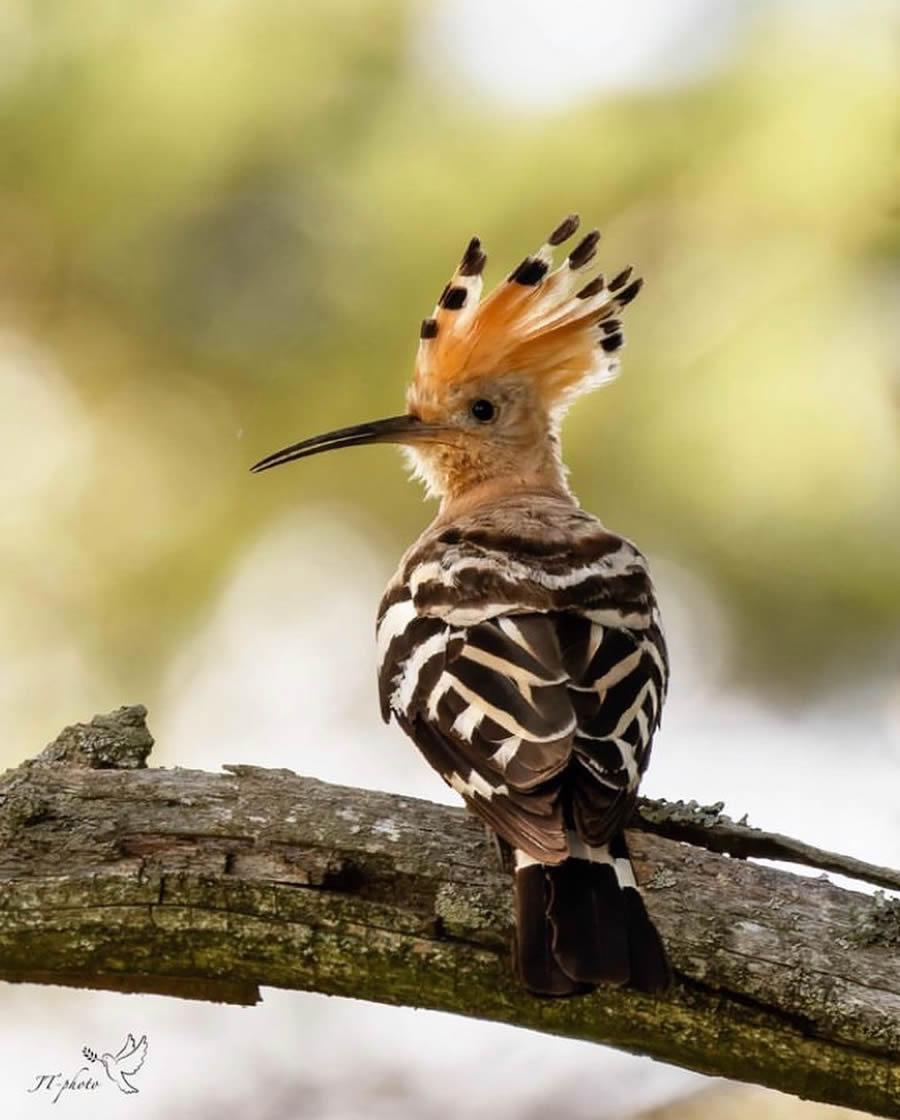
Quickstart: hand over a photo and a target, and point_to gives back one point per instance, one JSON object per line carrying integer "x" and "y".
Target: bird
{"x": 519, "y": 642}
{"x": 126, "y": 1063}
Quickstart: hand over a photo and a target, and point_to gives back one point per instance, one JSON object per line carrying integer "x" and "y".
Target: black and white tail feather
{"x": 583, "y": 922}
{"x": 530, "y": 668}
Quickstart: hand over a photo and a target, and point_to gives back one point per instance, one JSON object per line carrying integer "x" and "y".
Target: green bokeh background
{"x": 220, "y": 226}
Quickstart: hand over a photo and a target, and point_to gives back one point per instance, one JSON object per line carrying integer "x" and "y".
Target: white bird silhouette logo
{"x": 119, "y": 1067}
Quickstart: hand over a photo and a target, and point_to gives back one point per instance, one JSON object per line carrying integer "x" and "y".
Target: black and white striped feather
{"x": 521, "y": 649}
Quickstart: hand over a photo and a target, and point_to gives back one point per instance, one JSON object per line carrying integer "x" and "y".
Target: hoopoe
{"x": 519, "y": 641}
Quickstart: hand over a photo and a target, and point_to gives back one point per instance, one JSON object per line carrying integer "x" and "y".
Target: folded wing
{"x": 533, "y": 692}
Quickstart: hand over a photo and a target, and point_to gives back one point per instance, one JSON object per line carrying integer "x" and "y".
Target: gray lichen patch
{"x": 118, "y": 740}
{"x": 686, "y": 812}
{"x": 470, "y": 914}
{"x": 387, "y": 827}
{"x": 661, "y": 879}
{"x": 21, "y": 806}
{"x": 878, "y": 923}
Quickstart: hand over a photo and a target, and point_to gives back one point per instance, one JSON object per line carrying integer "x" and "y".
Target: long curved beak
{"x": 396, "y": 429}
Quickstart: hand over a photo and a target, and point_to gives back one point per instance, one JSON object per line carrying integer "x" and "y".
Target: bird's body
{"x": 519, "y": 642}
{"x": 520, "y": 648}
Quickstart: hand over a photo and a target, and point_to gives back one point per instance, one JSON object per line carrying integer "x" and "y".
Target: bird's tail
{"x": 582, "y": 922}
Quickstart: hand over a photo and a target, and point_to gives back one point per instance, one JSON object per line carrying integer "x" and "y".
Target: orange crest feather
{"x": 547, "y": 324}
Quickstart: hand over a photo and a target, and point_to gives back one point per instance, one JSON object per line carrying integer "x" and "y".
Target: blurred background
{"x": 220, "y": 226}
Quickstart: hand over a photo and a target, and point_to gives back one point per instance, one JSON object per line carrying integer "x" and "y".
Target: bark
{"x": 206, "y": 886}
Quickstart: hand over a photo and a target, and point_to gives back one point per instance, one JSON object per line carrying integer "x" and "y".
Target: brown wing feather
{"x": 497, "y": 723}
{"x": 540, "y": 715}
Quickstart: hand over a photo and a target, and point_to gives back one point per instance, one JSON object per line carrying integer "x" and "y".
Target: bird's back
{"x": 520, "y": 647}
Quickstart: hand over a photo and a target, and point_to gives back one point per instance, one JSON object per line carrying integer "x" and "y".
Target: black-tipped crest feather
{"x": 473, "y": 259}
{"x": 585, "y": 249}
{"x": 564, "y": 230}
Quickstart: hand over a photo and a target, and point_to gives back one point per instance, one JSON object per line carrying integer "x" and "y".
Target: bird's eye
{"x": 483, "y": 411}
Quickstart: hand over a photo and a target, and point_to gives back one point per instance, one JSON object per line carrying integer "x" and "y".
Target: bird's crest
{"x": 557, "y": 325}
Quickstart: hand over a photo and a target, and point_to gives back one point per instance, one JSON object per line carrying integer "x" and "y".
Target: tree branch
{"x": 207, "y": 885}
{"x": 708, "y": 827}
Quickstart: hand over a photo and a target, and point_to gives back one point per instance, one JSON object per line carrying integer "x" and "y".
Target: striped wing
{"x": 538, "y": 717}
{"x": 617, "y": 682}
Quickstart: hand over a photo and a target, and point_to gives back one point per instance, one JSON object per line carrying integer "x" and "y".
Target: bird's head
{"x": 493, "y": 377}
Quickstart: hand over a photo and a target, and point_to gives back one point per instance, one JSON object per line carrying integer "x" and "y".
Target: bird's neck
{"x": 466, "y": 476}
{"x": 492, "y": 491}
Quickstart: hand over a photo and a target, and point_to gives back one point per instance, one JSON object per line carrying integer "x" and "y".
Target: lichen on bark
{"x": 208, "y": 886}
